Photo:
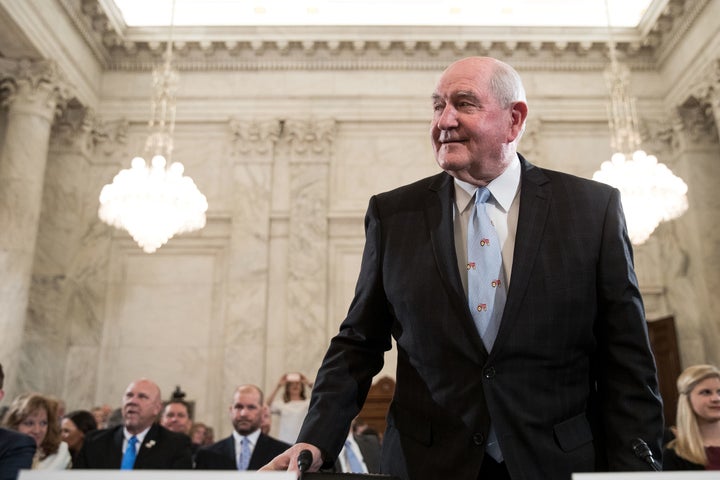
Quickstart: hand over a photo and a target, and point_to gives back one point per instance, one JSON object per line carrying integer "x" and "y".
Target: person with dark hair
{"x": 176, "y": 416}
{"x": 511, "y": 296}
{"x": 696, "y": 445}
{"x": 36, "y": 415}
{"x": 292, "y": 407}
{"x": 73, "y": 428}
{"x": 16, "y": 450}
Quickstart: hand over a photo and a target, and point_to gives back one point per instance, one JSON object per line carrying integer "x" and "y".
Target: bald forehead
{"x": 248, "y": 389}
{"x": 145, "y": 386}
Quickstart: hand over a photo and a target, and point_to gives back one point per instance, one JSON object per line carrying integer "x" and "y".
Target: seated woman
{"x": 36, "y": 416}
{"x": 73, "y": 428}
{"x": 697, "y": 435}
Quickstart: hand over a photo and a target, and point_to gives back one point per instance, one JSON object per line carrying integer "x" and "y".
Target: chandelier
{"x": 650, "y": 192}
{"x": 154, "y": 201}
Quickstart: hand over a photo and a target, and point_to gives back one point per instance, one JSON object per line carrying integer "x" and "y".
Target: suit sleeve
{"x": 182, "y": 456}
{"x": 628, "y": 397}
{"x": 355, "y": 354}
{"x": 18, "y": 455}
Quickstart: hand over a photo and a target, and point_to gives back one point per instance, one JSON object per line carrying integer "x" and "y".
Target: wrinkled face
{"x": 35, "y": 425}
{"x": 705, "y": 400}
{"x": 141, "y": 405}
{"x": 470, "y": 131}
{"x": 246, "y": 411}
{"x": 71, "y": 435}
{"x": 175, "y": 418}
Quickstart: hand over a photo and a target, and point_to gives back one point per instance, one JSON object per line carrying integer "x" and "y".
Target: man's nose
{"x": 447, "y": 118}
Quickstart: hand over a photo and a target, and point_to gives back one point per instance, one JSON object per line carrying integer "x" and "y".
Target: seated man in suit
{"x": 360, "y": 454}
{"x": 16, "y": 450}
{"x": 138, "y": 443}
{"x": 247, "y": 448}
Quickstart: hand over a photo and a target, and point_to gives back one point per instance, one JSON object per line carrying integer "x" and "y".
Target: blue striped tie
{"x": 353, "y": 461}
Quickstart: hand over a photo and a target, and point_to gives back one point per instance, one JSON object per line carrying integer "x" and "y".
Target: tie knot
{"x": 348, "y": 444}
{"x": 482, "y": 195}
{"x": 133, "y": 440}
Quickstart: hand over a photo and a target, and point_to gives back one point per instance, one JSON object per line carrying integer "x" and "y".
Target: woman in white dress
{"x": 292, "y": 407}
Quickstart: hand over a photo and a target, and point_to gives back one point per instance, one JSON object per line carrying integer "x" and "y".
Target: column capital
{"x": 256, "y": 138}
{"x": 36, "y": 87}
{"x": 310, "y": 137}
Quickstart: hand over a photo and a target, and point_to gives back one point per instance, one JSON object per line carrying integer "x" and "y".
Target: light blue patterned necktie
{"x": 244, "y": 458}
{"x": 352, "y": 459}
{"x": 486, "y": 277}
{"x": 486, "y": 285}
{"x": 128, "y": 460}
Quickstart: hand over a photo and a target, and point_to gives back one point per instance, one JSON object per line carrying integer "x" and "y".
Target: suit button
{"x": 478, "y": 439}
{"x": 489, "y": 372}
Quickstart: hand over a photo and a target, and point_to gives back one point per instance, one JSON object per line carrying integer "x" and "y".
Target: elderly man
{"x": 247, "y": 448}
{"x": 510, "y": 292}
{"x": 139, "y": 443}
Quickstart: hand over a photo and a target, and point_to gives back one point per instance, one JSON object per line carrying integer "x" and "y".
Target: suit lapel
{"x": 116, "y": 452}
{"x": 257, "y": 453}
{"x": 439, "y": 214}
{"x": 228, "y": 450}
{"x": 535, "y": 196}
{"x": 149, "y": 442}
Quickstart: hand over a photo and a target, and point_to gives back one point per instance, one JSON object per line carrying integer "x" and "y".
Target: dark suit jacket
{"x": 570, "y": 381}
{"x": 161, "y": 449}
{"x": 673, "y": 461}
{"x": 16, "y": 453}
{"x": 221, "y": 455}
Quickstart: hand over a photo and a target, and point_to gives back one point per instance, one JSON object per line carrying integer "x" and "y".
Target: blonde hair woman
{"x": 36, "y": 415}
{"x": 697, "y": 434}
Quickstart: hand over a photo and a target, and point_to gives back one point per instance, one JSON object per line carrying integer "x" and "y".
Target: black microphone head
{"x": 305, "y": 459}
{"x": 640, "y": 448}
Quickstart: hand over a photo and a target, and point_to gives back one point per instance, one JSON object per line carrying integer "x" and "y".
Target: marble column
{"x": 310, "y": 143}
{"x": 69, "y": 279}
{"x": 243, "y": 336}
{"x": 32, "y": 92}
{"x": 691, "y": 243}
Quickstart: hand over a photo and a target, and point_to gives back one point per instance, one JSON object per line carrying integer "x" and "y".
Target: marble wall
{"x": 288, "y": 160}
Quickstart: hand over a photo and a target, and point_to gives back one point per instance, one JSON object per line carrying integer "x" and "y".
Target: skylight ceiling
{"x": 531, "y": 13}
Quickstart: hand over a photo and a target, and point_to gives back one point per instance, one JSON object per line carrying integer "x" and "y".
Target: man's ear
{"x": 518, "y": 114}
{"x": 2, "y": 394}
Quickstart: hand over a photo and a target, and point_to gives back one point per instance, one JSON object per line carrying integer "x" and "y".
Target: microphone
{"x": 305, "y": 459}
{"x": 642, "y": 451}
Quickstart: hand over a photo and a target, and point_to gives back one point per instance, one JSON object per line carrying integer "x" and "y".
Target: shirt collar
{"x": 140, "y": 436}
{"x": 253, "y": 437}
{"x": 503, "y": 188}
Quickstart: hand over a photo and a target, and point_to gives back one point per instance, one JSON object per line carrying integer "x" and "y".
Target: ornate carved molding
{"x": 254, "y": 137}
{"x": 309, "y": 136}
{"x": 39, "y": 86}
{"x": 92, "y": 23}
{"x": 696, "y": 121}
{"x": 110, "y": 141}
{"x": 389, "y": 48}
